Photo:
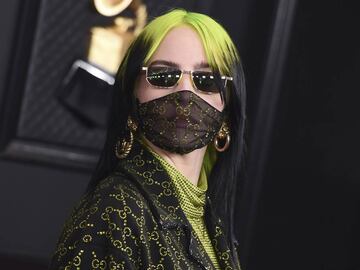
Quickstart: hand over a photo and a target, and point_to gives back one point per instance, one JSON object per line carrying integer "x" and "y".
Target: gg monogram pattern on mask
{"x": 179, "y": 122}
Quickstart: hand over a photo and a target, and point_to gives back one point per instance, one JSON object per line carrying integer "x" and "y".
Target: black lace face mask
{"x": 179, "y": 122}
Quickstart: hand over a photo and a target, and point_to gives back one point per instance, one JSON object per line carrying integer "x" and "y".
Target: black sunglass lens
{"x": 205, "y": 81}
{"x": 163, "y": 76}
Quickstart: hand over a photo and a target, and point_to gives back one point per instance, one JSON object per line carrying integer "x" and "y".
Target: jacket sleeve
{"x": 91, "y": 257}
{"x": 101, "y": 231}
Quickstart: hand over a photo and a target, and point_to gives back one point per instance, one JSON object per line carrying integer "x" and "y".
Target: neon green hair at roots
{"x": 220, "y": 51}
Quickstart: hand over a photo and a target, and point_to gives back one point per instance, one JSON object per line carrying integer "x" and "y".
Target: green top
{"x": 192, "y": 202}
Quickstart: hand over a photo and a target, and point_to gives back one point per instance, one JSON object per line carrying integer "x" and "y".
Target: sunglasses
{"x": 168, "y": 77}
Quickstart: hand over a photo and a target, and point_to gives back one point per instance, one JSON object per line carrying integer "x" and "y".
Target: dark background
{"x": 298, "y": 208}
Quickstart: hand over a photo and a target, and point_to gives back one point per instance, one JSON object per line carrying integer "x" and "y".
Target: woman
{"x": 179, "y": 96}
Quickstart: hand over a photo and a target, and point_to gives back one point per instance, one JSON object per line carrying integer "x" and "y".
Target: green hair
{"x": 219, "y": 48}
{"x": 220, "y": 51}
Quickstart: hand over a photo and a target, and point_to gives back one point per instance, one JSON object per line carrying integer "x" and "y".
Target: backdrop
{"x": 298, "y": 201}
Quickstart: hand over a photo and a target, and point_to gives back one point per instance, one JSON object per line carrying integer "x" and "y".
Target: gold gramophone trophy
{"x": 86, "y": 88}
{"x": 109, "y": 44}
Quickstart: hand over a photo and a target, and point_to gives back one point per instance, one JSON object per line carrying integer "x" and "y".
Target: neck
{"x": 188, "y": 164}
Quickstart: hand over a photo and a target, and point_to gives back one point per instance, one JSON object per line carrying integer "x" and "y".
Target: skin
{"x": 183, "y": 47}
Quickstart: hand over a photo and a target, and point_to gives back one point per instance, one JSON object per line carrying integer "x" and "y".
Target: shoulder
{"x": 116, "y": 191}
{"x": 110, "y": 217}
{"x": 115, "y": 201}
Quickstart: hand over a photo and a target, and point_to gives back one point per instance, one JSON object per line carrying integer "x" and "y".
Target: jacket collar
{"x": 146, "y": 172}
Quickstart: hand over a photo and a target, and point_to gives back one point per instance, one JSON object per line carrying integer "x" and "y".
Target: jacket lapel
{"x": 156, "y": 186}
{"x": 146, "y": 172}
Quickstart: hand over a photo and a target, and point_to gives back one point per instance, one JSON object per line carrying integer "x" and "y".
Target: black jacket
{"x": 133, "y": 220}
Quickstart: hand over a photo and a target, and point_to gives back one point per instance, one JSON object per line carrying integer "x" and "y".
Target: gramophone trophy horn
{"x": 111, "y": 7}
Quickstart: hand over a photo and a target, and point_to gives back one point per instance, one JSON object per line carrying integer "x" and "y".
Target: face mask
{"x": 179, "y": 122}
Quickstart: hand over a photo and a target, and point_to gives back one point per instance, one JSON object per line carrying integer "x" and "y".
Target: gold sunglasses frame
{"x": 190, "y": 72}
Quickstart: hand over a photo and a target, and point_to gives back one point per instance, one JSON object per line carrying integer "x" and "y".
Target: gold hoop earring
{"x": 123, "y": 146}
{"x": 223, "y": 134}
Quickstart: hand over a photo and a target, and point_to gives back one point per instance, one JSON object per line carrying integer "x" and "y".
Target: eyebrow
{"x": 202, "y": 65}
{"x": 173, "y": 64}
{"x": 165, "y": 63}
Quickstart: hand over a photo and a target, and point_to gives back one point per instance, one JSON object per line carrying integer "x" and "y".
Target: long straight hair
{"x": 223, "y": 169}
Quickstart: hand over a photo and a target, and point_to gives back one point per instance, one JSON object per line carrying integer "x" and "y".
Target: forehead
{"x": 181, "y": 45}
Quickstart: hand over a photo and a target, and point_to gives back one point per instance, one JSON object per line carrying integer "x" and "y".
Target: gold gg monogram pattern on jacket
{"x": 179, "y": 122}
{"x": 192, "y": 201}
{"x": 133, "y": 220}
